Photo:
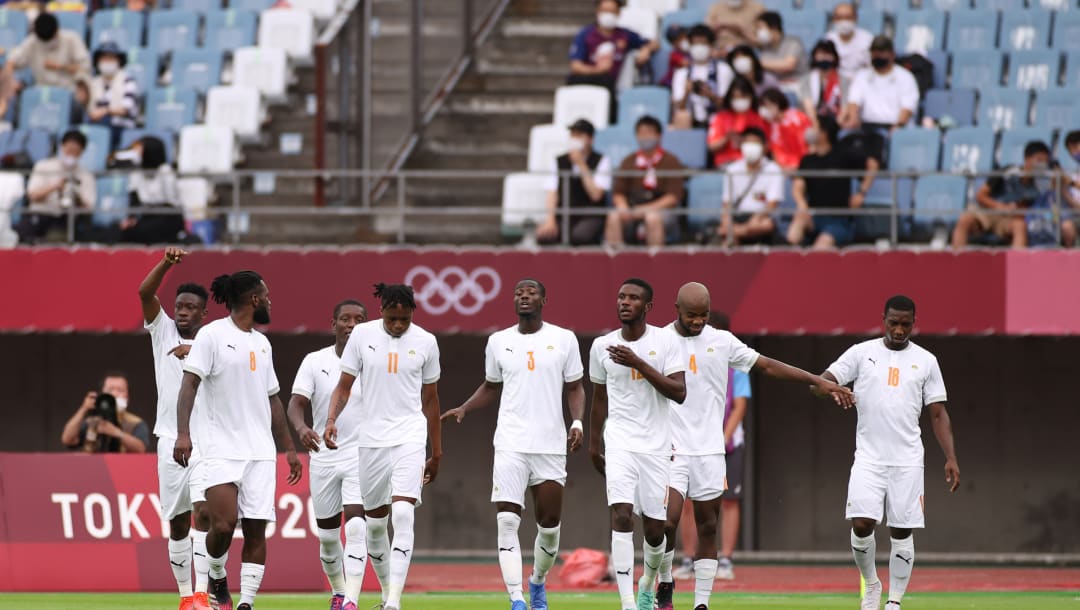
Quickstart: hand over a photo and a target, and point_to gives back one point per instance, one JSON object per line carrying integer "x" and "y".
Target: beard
{"x": 261, "y": 315}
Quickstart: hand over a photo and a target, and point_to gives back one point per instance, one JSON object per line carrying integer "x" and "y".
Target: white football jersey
{"x": 392, "y": 372}
{"x": 168, "y": 371}
{"x": 697, "y": 425}
{"x": 316, "y": 379}
{"x": 891, "y": 389}
{"x": 638, "y": 419}
{"x": 238, "y": 379}
{"x": 533, "y": 369}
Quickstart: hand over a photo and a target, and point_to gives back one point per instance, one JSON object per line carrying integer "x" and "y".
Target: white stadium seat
{"x": 265, "y": 69}
{"x": 206, "y": 149}
{"x": 195, "y": 195}
{"x": 640, "y": 20}
{"x": 660, "y": 7}
{"x": 322, "y": 10}
{"x": 289, "y": 29}
{"x": 546, "y": 142}
{"x": 573, "y": 102}
{"x": 523, "y": 199}
{"x": 237, "y": 107}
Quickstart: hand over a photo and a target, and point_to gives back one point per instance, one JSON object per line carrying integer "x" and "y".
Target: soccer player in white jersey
{"x": 894, "y": 379}
{"x": 530, "y": 366}
{"x": 171, "y": 339}
{"x": 334, "y": 474}
{"x": 699, "y": 470}
{"x": 397, "y": 363}
{"x": 637, "y": 372}
{"x": 231, "y": 366}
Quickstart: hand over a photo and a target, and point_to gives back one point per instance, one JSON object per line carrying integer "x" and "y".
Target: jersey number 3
{"x": 894, "y": 376}
{"x": 532, "y": 361}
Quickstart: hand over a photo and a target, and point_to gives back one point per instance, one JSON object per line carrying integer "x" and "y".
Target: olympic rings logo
{"x": 453, "y": 288}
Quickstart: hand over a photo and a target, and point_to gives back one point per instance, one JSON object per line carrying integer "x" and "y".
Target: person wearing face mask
{"x": 733, "y": 21}
{"x": 113, "y": 93}
{"x": 744, "y": 62}
{"x": 91, "y": 432}
{"x": 154, "y": 187}
{"x": 786, "y": 128}
{"x": 642, "y": 195}
{"x": 852, "y": 42}
{"x": 590, "y": 181}
{"x": 679, "y": 39}
{"x": 782, "y": 56}
{"x": 752, "y": 190}
{"x": 57, "y": 184}
{"x": 56, "y": 58}
{"x": 882, "y": 97}
{"x": 821, "y": 92}
{"x": 698, "y": 89}
{"x": 1072, "y": 193}
{"x": 738, "y": 113}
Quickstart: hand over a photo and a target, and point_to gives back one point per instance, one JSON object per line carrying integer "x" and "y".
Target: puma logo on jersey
{"x": 232, "y": 347}
{"x": 872, "y": 360}
{"x": 325, "y": 372}
{"x": 510, "y": 350}
{"x": 371, "y": 347}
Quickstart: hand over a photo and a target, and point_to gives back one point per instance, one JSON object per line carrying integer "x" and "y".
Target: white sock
{"x": 654, "y": 556}
{"x": 865, "y": 552}
{"x": 403, "y": 515}
{"x": 900, "y": 564}
{"x": 665, "y": 567}
{"x": 545, "y": 551}
{"x": 200, "y": 560}
{"x": 704, "y": 576}
{"x": 180, "y": 562}
{"x": 250, "y": 578}
{"x": 356, "y": 558}
{"x": 333, "y": 558}
{"x": 510, "y": 553}
{"x": 622, "y": 558}
{"x": 217, "y": 565}
{"x": 378, "y": 545}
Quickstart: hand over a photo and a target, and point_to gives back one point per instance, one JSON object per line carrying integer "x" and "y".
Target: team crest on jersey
{"x": 412, "y": 352}
{"x": 551, "y": 348}
{"x": 652, "y": 353}
{"x": 915, "y": 367}
{"x": 710, "y": 350}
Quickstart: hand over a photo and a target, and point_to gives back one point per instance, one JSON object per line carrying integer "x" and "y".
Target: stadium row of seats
{"x": 662, "y": 7}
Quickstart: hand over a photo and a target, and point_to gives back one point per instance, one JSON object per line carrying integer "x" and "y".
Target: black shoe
{"x": 219, "y": 594}
{"x": 664, "y": 593}
{"x": 244, "y": 607}
{"x": 701, "y": 607}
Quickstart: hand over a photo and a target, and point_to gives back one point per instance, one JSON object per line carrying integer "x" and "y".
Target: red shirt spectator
{"x": 738, "y": 113}
{"x": 786, "y": 129}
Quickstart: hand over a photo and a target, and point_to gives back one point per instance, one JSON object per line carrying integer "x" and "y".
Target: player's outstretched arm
{"x": 596, "y": 426}
{"x": 338, "y": 400}
{"x": 673, "y": 386}
{"x": 151, "y": 306}
{"x": 298, "y": 407}
{"x": 284, "y": 440}
{"x": 575, "y": 396}
{"x": 824, "y": 385}
{"x": 429, "y": 394}
{"x": 484, "y": 396}
{"x": 185, "y": 402}
{"x": 939, "y": 416}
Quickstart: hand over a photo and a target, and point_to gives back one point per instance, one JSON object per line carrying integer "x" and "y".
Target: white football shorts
{"x": 872, "y": 488}
{"x": 386, "y": 472}
{"x": 255, "y": 481}
{"x": 335, "y": 483}
{"x": 516, "y": 472}
{"x": 700, "y": 478}
{"x": 640, "y": 479}
{"x": 178, "y": 487}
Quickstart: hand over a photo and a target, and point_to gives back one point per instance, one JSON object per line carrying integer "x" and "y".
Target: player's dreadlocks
{"x": 391, "y": 295}
{"x": 229, "y": 290}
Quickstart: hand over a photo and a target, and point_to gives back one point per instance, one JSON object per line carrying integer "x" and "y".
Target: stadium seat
{"x": 1066, "y": 34}
{"x": 169, "y": 109}
{"x": 573, "y": 102}
{"x": 1003, "y": 108}
{"x": 195, "y": 195}
{"x": 686, "y": 144}
{"x": 1013, "y": 141}
{"x": 236, "y": 107}
{"x": 321, "y": 10}
{"x": 687, "y": 17}
{"x": 129, "y": 136}
{"x": 289, "y": 29}
{"x": 1062, "y": 152}
{"x": 641, "y": 101}
{"x": 47, "y": 108}
{"x": 14, "y": 27}
{"x": 255, "y": 6}
{"x": 938, "y": 202}
{"x": 1025, "y": 29}
{"x": 197, "y": 69}
{"x": 968, "y": 150}
{"x": 640, "y": 20}
{"x": 197, "y": 6}
{"x": 142, "y": 65}
{"x": 112, "y": 200}
{"x": 880, "y": 5}
{"x": 98, "y": 146}
{"x": 976, "y": 69}
{"x": 1053, "y": 108}
{"x": 660, "y": 7}
{"x": 73, "y": 21}
{"x": 914, "y": 149}
{"x": 705, "y": 196}
{"x": 616, "y": 142}
{"x": 229, "y": 30}
{"x": 1072, "y": 69}
{"x": 808, "y": 26}
{"x": 172, "y": 30}
{"x": 940, "y": 61}
{"x": 972, "y": 30}
{"x": 38, "y": 143}
{"x": 1054, "y": 5}
{"x": 947, "y": 5}
{"x": 955, "y": 104}
{"x": 206, "y": 149}
{"x": 658, "y": 63}
{"x": 1034, "y": 69}
{"x": 919, "y": 30}
{"x": 1000, "y": 5}
{"x": 546, "y": 142}
{"x": 265, "y": 69}
{"x": 121, "y": 26}
{"x": 870, "y": 19}
{"x": 883, "y": 191}
{"x": 523, "y": 200}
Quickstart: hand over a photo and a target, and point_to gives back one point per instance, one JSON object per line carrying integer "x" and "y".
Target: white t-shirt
{"x": 755, "y": 192}
{"x": 168, "y": 371}
{"x": 683, "y": 78}
{"x": 891, "y": 389}
{"x": 854, "y": 54}
{"x": 638, "y": 415}
{"x": 316, "y": 379}
{"x": 601, "y": 176}
{"x": 533, "y": 369}
{"x": 392, "y": 372}
{"x": 881, "y": 97}
{"x": 237, "y": 372}
{"x": 697, "y": 425}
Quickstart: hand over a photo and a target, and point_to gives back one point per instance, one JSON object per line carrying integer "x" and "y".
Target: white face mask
{"x": 768, "y": 112}
{"x": 734, "y": 3}
{"x": 844, "y": 27}
{"x": 576, "y": 145}
{"x": 751, "y": 151}
{"x": 121, "y": 404}
{"x": 108, "y": 68}
{"x": 68, "y": 161}
{"x": 741, "y": 104}
{"x": 743, "y": 64}
{"x": 764, "y": 36}
{"x": 700, "y": 52}
{"x": 607, "y": 20}
{"x": 684, "y": 46}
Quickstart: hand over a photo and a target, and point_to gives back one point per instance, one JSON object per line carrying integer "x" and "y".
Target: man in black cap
{"x": 883, "y": 96}
{"x": 589, "y": 176}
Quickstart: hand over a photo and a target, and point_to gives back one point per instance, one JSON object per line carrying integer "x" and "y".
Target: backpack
{"x": 921, "y": 68}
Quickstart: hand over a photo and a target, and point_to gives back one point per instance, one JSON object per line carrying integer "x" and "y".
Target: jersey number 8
{"x": 252, "y": 360}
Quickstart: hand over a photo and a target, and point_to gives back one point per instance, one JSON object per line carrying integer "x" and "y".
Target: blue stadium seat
{"x": 1034, "y": 69}
{"x": 113, "y": 198}
{"x": 921, "y": 28}
{"x": 98, "y": 141}
{"x": 255, "y": 6}
{"x": 14, "y": 27}
{"x": 686, "y": 17}
{"x": 914, "y": 149}
{"x": 968, "y": 150}
{"x": 47, "y": 108}
{"x": 976, "y": 69}
{"x": 947, "y": 5}
{"x": 1053, "y": 108}
{"x": 169, "y": 109}
{"x": 825, "y": 6}
{"x": 956, "y": 104}
{"x": 1062, "y": 152}
{"x": 1066, "y": 35}
{"x": 197, "y": 69}
{"x": 1013, "y": 141}
{"x": 879, "y": 5}
{"x": 659, "y": 61}
{"x": 617, "y": 142}
{"x": 74, "y": 21}
{"x": 705, "y": 194}
{"x": 1022, "y": 29}
{"x": 197, "y": 6}
{"x": 1072, "y": 69}
{"x": 143, "y": 67}
{"x": 1003, "y": 108}
{"x": 172, "y": 30}
{"x": 229, "y": 30}
{"x": 686, "y": 144}
{"x": 36, "y": 142}
{"x": 1000, "y": 5}
{"x": 938, "y": 202}
{"x": 940, "y": 60}
{"x": 806, "y": 25}
{"x": 640, "y": 101}
{"x": 121, "y": 26}
{"x": 972, "y": 30}
{"x": 129, "y": 136}
{"x": 870, "y": 19}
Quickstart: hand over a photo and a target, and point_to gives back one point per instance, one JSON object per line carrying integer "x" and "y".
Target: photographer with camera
{"x": 56, "y": 185}
{"x": 102, "y": 424}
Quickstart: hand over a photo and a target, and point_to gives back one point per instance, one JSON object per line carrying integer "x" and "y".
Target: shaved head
{"x": 693, "y": 295}
{"x": 692, "y": 307}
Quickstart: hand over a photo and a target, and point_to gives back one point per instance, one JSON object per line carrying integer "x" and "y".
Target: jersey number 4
{"x": 391, "y": 362}
{"x": 693, "y": 364}
{"x": 894, "y": 376}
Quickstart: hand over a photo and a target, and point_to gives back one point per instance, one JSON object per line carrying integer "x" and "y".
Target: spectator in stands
{"x": 642, "y": 200}
{"x": 589, "y": 184}
{"x": 1004, "y": 198}
{"x": 113, "y": 94}
{"x": 738, "y": 112}
{"x": 679, "y": 39}
{"x": 103, "y": 423}
{"x": 782, "y": 56}
{"x": 56, "y": 185}
{"x": 786, "y": 128}
{"x": 154, "y": 187}
{"x": 852, "y": 42}
{"x": 818, "y": 192}
{"x": 744, "y": 62}
{"x": 56, "y": 58}
{"x": 733, "y": 21}
{"x": 753, "y": 189}
{"x": 1072, "y": 194}
{"x": 884, "y": 96}
{"x": 698, "y": 89}
{"x": 821, "y": 92}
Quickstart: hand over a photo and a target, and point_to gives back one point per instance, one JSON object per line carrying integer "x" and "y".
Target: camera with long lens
{"x": 104, "y": 410}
